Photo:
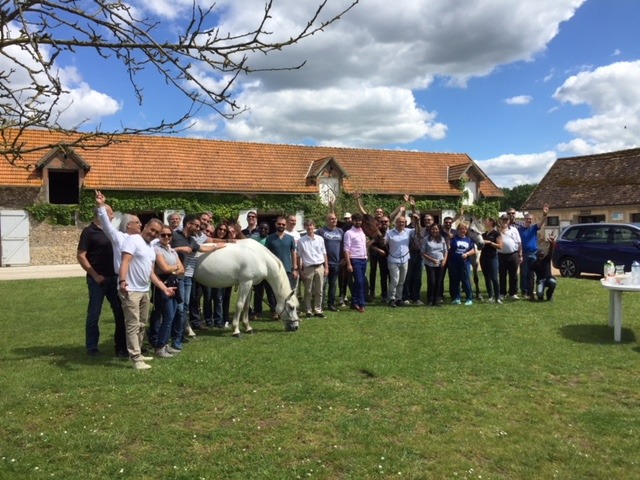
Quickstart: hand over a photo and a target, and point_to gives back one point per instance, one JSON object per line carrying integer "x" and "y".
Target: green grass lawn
{"x": 520, "y": 391}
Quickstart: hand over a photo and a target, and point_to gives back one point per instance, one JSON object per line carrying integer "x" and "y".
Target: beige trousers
{"x": 135, "y": 306}
{"x": 313, "y": 279}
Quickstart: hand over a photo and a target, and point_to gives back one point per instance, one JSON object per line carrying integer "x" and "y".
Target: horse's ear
{"x": 293, "y": 292}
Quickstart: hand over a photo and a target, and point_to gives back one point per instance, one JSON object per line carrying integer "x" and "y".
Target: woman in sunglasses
{"x": 168, "y": 265}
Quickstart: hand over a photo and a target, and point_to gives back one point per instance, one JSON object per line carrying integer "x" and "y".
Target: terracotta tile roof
{"x": 185, "y": 164}
{"x": 605, "y": 179}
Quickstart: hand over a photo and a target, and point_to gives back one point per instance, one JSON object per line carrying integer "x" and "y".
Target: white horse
{"x": 247, "y": 263}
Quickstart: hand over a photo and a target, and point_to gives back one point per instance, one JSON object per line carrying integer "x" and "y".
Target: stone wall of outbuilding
{"x": 53, "y": 244}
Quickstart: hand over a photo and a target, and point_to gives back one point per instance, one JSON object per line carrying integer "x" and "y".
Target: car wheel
{"x": 569, "y": 268}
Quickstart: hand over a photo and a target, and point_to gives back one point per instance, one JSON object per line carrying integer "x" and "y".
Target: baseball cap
{"x": 347, "y": 215}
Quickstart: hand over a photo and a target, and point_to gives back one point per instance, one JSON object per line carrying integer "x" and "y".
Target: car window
{"x": 594, "y": 234}
{"x": 570, "y": 234}
{"x": 625, "y": 236}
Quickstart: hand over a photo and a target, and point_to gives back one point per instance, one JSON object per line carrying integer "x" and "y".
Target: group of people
{"x": 329, "y": 262}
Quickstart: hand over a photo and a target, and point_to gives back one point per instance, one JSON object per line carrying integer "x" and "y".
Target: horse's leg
{"x": 242, "y": 309}
{"x": 476, "y": 280}
{"x": 245, "y": 311}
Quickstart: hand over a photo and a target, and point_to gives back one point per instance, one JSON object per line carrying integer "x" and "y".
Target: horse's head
{"x": 289, "y": 313}
{"x": 475, "y": 235}
{"x": 370, "y": 226}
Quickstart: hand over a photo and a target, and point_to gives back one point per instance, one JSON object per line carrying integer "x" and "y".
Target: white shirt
{"x": 139, "y": 274}
{"x": 510, "y": 240}
{"x": 399, "y": 245}
{"x": 295, "y": 234}
{"x": 115, "y": 236}
{"x": 312, "y": 251}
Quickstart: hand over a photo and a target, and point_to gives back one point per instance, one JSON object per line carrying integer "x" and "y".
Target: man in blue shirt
{"x": 529, "y": 236}
{"x": 283, "y": 246}
{"x": 332, "y": 235}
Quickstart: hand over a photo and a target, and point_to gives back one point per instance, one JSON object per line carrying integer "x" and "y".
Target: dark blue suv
{"x": 586, "y": 247}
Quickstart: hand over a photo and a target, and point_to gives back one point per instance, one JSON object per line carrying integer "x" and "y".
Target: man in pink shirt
{"x": 355, "y": 254}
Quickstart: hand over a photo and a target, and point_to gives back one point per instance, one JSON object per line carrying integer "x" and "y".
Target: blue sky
{"x": 513, "y": 83}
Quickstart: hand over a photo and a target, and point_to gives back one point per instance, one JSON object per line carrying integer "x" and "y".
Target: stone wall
{"x": 15, "y": 198}
{"x": 53, "y": 244}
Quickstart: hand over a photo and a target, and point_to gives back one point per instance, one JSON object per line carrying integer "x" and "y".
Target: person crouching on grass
{"x": 136, "y": 272}
{"x": 460, "y": 251}
{"x": 544, "y": 279}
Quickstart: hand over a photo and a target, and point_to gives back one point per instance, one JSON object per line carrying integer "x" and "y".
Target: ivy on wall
{"x": 227, "y": 206}
{"x": 54, "y": 214}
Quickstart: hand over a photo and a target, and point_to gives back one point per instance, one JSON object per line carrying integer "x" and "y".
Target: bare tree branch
{"x": 34, "y": 34}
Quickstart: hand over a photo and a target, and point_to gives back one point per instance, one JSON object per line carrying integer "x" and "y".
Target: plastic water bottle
{"x": 609, "y": 270}
{"x": 635, "y": 273}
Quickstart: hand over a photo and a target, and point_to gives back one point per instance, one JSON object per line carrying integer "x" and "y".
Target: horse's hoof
{"x": 250, "y": 331}
{"x": 236, "y": 334}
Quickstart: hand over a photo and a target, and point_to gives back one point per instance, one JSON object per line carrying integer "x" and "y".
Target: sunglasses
{"x": 165, "y": 235}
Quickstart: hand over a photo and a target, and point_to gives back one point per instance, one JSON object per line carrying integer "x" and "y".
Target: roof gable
{"x": 63, "y": 157}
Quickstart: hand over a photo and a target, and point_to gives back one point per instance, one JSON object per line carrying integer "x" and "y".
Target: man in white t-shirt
{"x": 136, "y": 273}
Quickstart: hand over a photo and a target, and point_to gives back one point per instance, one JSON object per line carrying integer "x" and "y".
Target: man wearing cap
{"x": 346, "y": 222}
{"x": 509, "y": 257}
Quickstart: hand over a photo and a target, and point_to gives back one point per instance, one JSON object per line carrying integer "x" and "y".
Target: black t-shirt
{"x": 489, "y": 251}
{"x": 99, "y": 249}
{"x": 179, "y": 240}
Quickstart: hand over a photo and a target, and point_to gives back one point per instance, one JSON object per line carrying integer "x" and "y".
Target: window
{"x": 329, "y": 189}
{"x": 625, "y": 236}
{"x": 553, "y": 221}
{"x": 594, "y": 234}
{"x": 635, "y": 218}
{"x": 64, "y": 187}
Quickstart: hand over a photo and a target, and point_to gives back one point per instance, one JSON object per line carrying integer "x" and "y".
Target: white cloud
{"x": 362, "y": 71}
{"x": 512, "y": 170}
{"x": 332, "y": 116}
{"x": 78, "y": 104}
{"x": 612, "y": 94}
{"x": 519, "y": 100}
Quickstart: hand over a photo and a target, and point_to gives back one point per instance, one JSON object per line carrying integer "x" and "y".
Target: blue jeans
{"x": 164, "y": 312}
{"x": 330, "y": 285}
{"x": 182, "y": 312}
{"x": 490, "y": 271}
{"x": 459, "y": 272}
{"x": 97, "y": 294}
{"x": 359, "y": 281}
{"x": 221, "y": 301}
{"x": 413, "y": 281}
{"x": 528, "y": 258}
{"x": 258, "y": 295}
{"x": 434, "y": 280}
{"x": 548, "y": 283}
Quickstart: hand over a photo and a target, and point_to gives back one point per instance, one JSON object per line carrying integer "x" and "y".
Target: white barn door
{"x": 14, "y": 237}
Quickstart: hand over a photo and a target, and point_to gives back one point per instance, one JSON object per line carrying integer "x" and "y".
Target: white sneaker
{"x": 171, "y": 350}
{"x": 491, "y": 300}
{"x": 406, "y": 302}
{"x": 515, "y": 297}
{"x": 141, "y": 366}
{"x": 499, "y": 301}
{"x": 163, "y": 353}
{"x": 418, "y": 302}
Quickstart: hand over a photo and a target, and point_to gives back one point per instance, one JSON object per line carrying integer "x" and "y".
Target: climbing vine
{"x": 227, "y": 206}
